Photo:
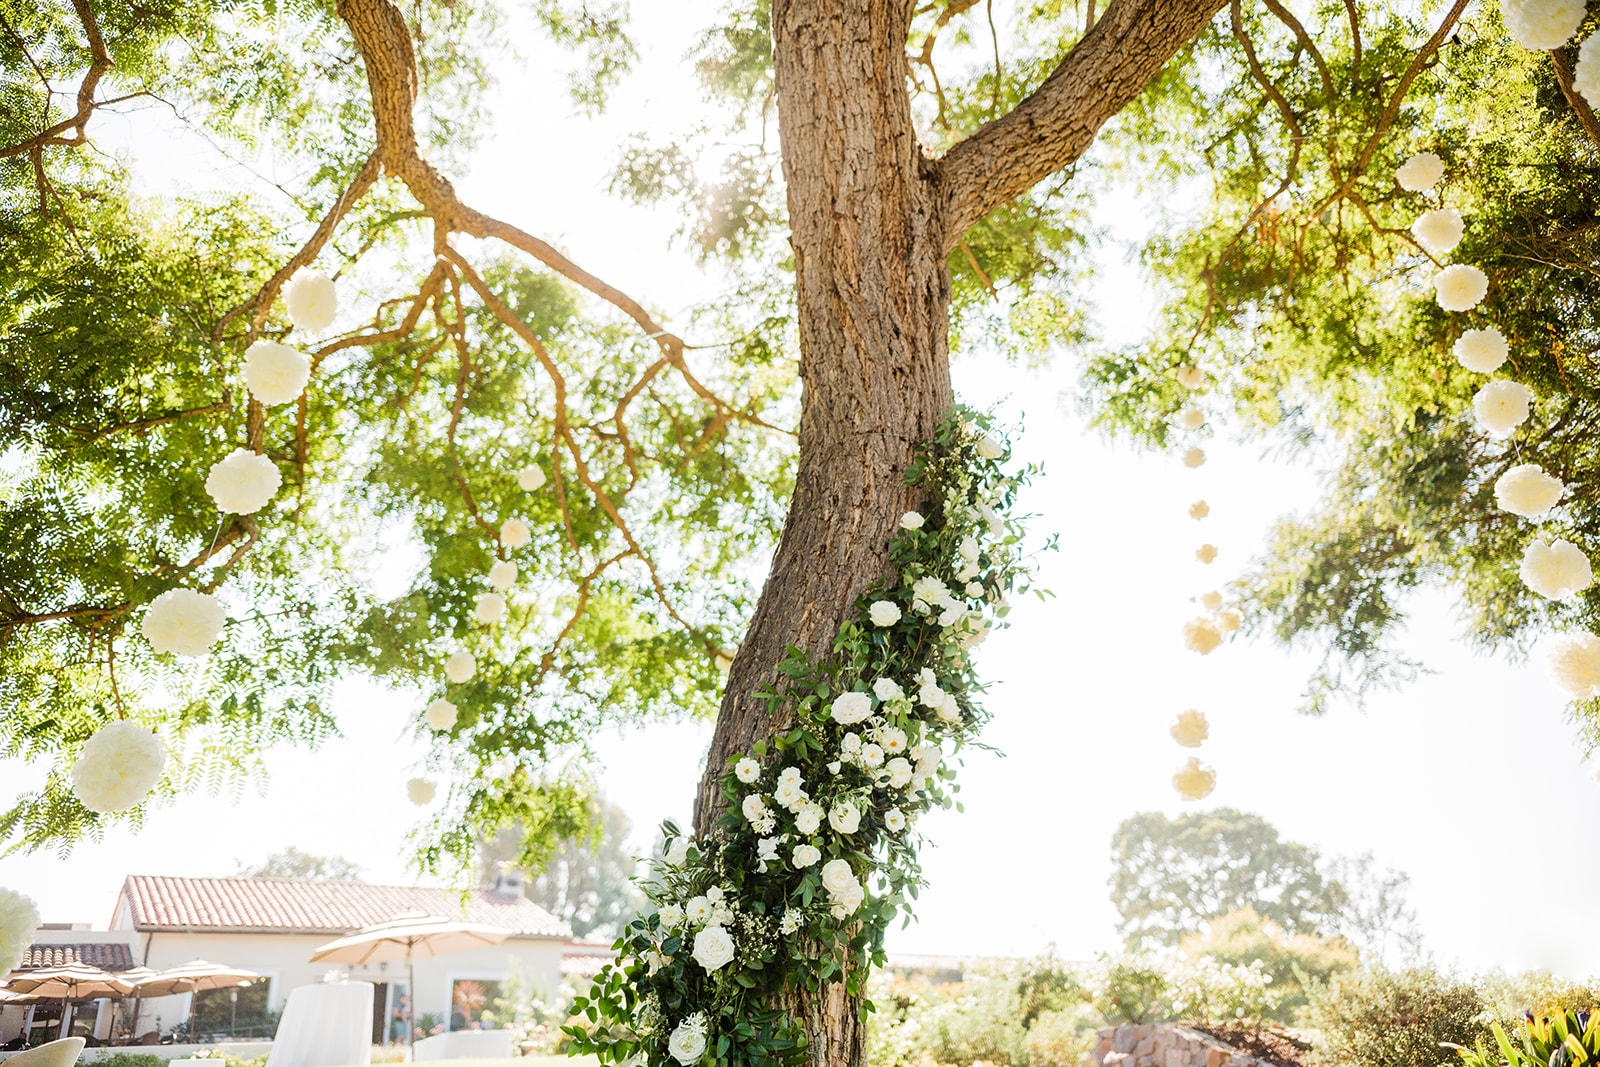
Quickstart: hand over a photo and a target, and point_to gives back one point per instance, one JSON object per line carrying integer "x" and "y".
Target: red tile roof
{"x": 110, "y": 957}
{"x": 291, "y": 905}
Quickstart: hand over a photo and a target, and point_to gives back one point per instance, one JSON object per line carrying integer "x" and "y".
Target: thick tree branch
{"x": 1057, "y": 122}
{"x": 99, "y": 63}
{"x": 1580, "y": 106}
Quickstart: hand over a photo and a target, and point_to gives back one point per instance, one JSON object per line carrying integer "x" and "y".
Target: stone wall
{"x": 1165, "y": 1045}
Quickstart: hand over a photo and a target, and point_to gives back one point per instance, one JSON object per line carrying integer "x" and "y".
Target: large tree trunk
{"x": 869, "y": 248}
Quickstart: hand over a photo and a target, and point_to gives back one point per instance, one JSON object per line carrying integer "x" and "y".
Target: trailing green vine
{"x": 816, "y": 853}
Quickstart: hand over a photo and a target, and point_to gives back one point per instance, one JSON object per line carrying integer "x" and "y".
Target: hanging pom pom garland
{"x": 312, "y": 301}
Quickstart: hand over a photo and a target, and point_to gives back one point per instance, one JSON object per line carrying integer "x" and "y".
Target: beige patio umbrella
{"x": 68, "y": 982}
{"x": 192, "y": 977}
{"x": 405, "y": 937}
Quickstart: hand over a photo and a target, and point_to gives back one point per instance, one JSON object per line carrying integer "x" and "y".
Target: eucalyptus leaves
{"x": 817, "y": 852}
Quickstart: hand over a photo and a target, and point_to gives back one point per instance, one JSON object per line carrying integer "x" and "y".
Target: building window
{"x": 475, "y": 1004}
{"x": 238, "y": 1012}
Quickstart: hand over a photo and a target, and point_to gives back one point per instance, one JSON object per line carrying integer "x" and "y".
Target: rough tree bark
{"x": 872, "y": 218}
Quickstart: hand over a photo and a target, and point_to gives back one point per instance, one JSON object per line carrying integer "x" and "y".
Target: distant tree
{"x": 586, "y": 881}
{"x": 1171, "y": 875}
{"x": 1377, "y": 915}
{"x": 1298, "y": 964}
{"x": 293, "y": 863}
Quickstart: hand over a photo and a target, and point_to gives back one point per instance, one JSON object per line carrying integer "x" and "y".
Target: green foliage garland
{"x": 816, "y": 854}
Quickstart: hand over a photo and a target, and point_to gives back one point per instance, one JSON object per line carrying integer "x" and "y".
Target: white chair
{"x": 63, "y": 1053}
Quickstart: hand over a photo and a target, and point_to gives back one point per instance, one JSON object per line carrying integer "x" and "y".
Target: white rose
{"x": 1194, "y": 457}
{"x": 420, "y": 791}
{"x": 930, "y": 695}
{"x": 530, "y": 478}
{"x": 911, "y": 520}
{"x": 1481, "y": 350}
{"x": 949, "y": 709}
{"x": 677, "y": 852}
{"x": 441, "y": 714}
{"x": 806, "y": 855}
{"x": 844, "y": 817}
{"x": 1542, "y": 25}
{"x": 183, "y": 622}
{"x": 883, "y": 613}
{"x": 274, "y": 373}
{"x": 747, "y": 770}
{"x": 847, "y": 902}
{"x": 688, "y": 1042}
{"x": 1555, "y": 570}
{"x": 1527, "y": 490}
{"x": 242, "y": 482}
{"x": 754, "y": 808}
{"x": 887, "y": 689}
{"x": 461, "y": 666}
{"x": 808, "y": 820}
{"x": 1420, "y": 173}
{"x": 19, "y": 918}
{"x": 118, "y": 767}
{"x": 490, "y": 608}
{"x": 989, "y": 448}
{"x": 1201, "y": 635}
{"x": 655, "y": 960}
{"x": 1501, "y": 406}
{"x": 837, "y": 876}
{"x": 850, "y": 743}
{"x": 974, "y": 590}
{"x": 899, "y": 770}
{"x": 1439, "y": 231}
{"x": 851, "y": 708}
{"x": 713, "y": 948}
{"x": 514, "y": 533}
{"x": 1460, "y": 287}
{"x": 311, "y": 300}
{"x": 928, "y": 758}
{"x": 894, "y": 820}
{"x": 833, "y": 768}
{"x": 790, "y": 795}
{"x": 502, "y": 575}
{"x": 969, "y": 548}
{"x": 1586, "y": 73}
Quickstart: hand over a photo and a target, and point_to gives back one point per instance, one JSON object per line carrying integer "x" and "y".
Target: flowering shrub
{"x": 817, "y": 850}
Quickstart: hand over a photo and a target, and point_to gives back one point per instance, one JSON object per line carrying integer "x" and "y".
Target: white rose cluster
{"x": 119, "y": 765}
{"x": 845, "y": 892}
{"x": 183, "y": 622}
{"x": 19, "y": 919}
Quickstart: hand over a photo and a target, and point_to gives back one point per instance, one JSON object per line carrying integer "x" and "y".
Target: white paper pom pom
{"x": 1201, "y": 635}
{"x": 1573, "y": 663}
{"x": 1191, "y": 418}
{"x": 1586, "y": 74}
{"x": 19, "y": 919}
{"x": 1555, "y": 570}
{"x": 1501, "y": 406}
{"x": 1211, "y": 601}
{"x": 1199, "y": 510}
{"x": 1193, "y": 457}
{"x": 1482, "y": 350}
{"x": 1190, "y": 728}
{"x": 312, "y": 301}
{"x": 276, "y": 374}
{"x": 461, "y": 666}
{"x": 514, "y": 533}
{"x": 530, "y": 478}
{"x": 1190, "y": 376}
{"x": 1193, "y": 781}
{"x": 1420, "y": 173}
{"x": 1459, "y": 287}
{"x": 118, "y": 766}
{"x": 242, "y": 482}
{"x": 1229, "y": 621}
{"x": 1439, "y": 231}
{"x": 502, "y": 575}
{"x": 1527, "y": 490}
{"x": 184, "y": 622}
{"x": 441, "y": 714}
{"x": 1206, "y": 553}
{"x": 420, "y": 791}
{"x": 1542, "y": 24}
{"x": 490, "y": 608}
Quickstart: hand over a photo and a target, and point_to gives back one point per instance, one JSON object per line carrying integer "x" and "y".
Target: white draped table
{"x": 325, "y": 1025}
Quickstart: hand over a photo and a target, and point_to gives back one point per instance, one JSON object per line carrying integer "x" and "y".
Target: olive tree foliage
{"x": 1297, "y": 284}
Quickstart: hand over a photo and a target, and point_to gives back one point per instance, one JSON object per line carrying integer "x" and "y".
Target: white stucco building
{"x": 272, "y": 926}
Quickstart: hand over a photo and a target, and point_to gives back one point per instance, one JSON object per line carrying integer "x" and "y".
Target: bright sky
{"x": 1468, "y": 780}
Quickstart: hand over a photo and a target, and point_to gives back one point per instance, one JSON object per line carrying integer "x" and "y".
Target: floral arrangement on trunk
{"x": 816, "y": 852}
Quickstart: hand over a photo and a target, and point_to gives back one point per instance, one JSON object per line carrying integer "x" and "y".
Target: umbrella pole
{"x": 411, "y": 1013}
